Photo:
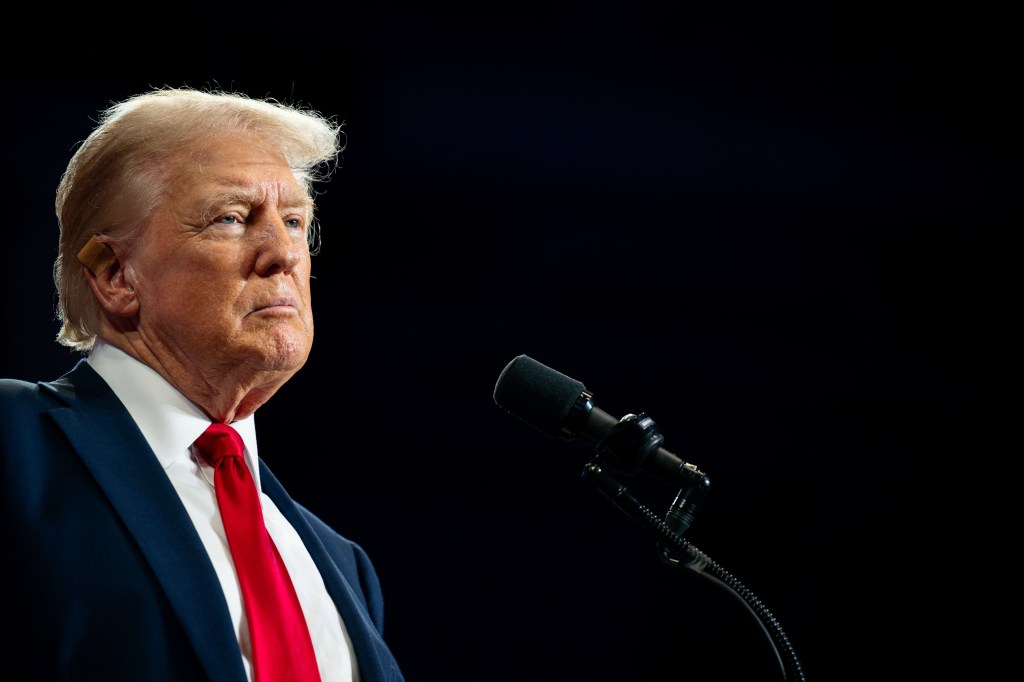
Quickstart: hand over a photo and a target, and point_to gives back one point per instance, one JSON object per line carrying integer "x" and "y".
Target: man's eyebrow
{"x": 213, "y": 204}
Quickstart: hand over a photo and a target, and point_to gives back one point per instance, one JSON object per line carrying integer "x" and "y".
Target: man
{"x": 186, "y": 221}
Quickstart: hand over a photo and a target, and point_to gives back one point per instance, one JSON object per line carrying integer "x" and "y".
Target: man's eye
{"x": 294, "y": 223}
{"x": 228, "y": 220}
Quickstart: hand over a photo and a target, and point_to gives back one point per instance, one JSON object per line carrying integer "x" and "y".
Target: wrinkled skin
{"x": 213, "y": 292}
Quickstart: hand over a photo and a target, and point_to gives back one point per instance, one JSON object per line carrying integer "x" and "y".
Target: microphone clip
{"x": 634, "y": 443}
{"x": 629, "y": 443}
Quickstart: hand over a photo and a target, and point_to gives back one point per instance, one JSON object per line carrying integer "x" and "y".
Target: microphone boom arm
{"x": 678, "y": 552}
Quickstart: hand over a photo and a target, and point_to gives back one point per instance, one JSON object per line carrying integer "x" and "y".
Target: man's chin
{"x": 282, "y": 352}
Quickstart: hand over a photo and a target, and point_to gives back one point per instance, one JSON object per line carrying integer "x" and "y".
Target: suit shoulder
{"x": 14, "y": 392}
{"x": 63, "y": 389}
{"x": 15, "y": 386}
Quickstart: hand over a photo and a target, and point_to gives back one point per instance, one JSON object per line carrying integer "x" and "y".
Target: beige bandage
{"x": 96, "y": 255}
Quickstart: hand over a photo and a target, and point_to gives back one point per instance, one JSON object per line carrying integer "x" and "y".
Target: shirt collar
{"x": 169, "y": 421}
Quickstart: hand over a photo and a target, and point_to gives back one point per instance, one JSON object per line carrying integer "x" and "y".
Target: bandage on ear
{"x": 96, "y": 255}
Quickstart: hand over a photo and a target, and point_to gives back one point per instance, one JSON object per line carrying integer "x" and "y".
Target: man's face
{"x": 221, "y": 271}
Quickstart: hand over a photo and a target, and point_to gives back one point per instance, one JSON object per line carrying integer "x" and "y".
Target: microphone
{"x": 562, "y": 407}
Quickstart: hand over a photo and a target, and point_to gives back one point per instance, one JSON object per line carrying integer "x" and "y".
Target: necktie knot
{"x": 220, "y": 441}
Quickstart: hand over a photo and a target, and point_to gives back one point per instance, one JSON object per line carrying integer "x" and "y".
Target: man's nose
{"x": 280, "y": 247}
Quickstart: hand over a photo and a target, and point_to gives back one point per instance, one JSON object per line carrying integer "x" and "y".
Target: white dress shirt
{"x": 171, "y": 424}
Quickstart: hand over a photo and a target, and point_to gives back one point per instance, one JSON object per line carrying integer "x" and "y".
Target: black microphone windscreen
{"x": 537, "y": 394}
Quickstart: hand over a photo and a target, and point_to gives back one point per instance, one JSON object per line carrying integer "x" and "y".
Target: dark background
{"x": 763, "y": 227}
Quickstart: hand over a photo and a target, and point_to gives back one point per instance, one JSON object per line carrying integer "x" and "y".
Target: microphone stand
{"x": 679, "y": 553}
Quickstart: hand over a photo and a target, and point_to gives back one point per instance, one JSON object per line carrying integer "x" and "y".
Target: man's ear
{"x": 104, "y": 269}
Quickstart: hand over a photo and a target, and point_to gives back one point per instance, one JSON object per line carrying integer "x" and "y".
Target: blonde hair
{"x": 120, "y": 174}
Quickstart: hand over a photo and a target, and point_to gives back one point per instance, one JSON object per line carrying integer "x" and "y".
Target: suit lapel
{"x": 114, "y": 451}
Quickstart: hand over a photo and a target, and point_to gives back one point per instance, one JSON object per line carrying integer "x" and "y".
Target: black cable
{"x": 688, "y": 556}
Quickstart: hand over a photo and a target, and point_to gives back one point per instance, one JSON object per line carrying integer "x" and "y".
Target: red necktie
{"x": 281, "y": 647}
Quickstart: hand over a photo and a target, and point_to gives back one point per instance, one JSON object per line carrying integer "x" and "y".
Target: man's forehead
{"x": 234, "y": 169}
{"x": 232, "y": 158}
{"x": 259, "y": 191}
{"x": 247, "y": 185}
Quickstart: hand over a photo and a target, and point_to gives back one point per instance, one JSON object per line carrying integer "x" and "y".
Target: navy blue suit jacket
{"x": 105, "y": 577}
